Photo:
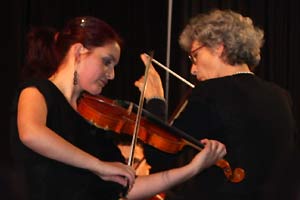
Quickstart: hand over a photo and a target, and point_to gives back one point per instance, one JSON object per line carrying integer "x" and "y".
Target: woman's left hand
{"x": 154, "y": 88}
{"x": 209, "y": 155}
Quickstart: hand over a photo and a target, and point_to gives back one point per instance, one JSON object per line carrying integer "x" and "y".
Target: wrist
{"x": 94, "y": 165}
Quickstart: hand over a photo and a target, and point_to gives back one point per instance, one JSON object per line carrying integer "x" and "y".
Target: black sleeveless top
{"x": 45, "y": 178}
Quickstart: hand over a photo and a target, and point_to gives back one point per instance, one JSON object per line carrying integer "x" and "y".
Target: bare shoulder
{"x": 31, "y": 95}
{"x": 32, "y": 105}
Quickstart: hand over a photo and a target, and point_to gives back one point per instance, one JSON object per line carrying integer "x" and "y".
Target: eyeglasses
{"x": 193, "y": 55}
{"x": 136, "y": 162}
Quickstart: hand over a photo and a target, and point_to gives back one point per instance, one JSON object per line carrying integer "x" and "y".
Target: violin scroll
{"x": 234, "y": 176}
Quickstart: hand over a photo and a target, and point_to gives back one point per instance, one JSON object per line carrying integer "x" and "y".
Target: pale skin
{"x": 95, "y": 67}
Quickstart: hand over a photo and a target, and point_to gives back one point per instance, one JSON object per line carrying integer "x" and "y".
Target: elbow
{"x": 26, "y": 137}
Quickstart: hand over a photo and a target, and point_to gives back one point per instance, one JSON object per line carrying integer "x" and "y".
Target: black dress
{"x": 43, "y": 178}
{"x": 252, "y": 117}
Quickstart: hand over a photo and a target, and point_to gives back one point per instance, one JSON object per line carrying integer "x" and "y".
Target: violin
{"x": 160, "y": 196}
{"x": 119, "y": 116}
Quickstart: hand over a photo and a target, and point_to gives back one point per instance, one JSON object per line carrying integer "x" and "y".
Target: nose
{"x": 193, "y": 69}
{"x": 110, "y": 74}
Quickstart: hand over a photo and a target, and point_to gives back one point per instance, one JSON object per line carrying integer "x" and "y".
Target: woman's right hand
{"x": 116, "y": 172}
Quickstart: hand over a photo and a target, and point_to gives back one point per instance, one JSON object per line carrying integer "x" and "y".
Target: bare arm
{"x": 33, "y": 132}
{"x": 163, "y": 181}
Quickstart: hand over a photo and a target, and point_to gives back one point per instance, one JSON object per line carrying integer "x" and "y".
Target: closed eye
{"x": 107, "y": 61}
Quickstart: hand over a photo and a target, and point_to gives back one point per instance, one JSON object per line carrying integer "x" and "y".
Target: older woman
{"x": 252, "y": 117}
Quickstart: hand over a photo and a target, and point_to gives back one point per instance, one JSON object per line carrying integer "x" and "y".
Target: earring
{"x": 75, "y": 78}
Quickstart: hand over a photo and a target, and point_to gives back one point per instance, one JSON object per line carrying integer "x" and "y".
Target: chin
{"x": 200, "y": 79}
{"x": 95, "y": 92}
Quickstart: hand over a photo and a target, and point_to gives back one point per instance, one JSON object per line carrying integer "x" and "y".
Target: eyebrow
{"x": 111, "y": 57}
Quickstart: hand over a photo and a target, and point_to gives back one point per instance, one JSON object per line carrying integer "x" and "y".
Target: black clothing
{"x": 48, "y": 179}
{"x": 285, "y": 179}
{"x": 252, "y": 117}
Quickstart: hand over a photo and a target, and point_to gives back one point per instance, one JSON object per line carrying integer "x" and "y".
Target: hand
{"x": 116, "y": 172}
{"x": 212, "y": 152}
{"x": 154, "y": 86}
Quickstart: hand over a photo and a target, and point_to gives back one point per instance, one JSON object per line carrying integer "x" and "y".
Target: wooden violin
{"x": 119, "y": 116}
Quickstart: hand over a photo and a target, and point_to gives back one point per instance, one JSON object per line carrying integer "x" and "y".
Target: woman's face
{"x": 206, "y": 62}
{"x": 97, "y": 67}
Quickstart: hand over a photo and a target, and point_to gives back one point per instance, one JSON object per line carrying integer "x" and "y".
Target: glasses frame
{"x": 192, "y": 55}
{"x": 136, "y": 162}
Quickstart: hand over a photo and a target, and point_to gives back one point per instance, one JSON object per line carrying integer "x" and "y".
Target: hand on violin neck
{"x": 154, "y": 88}
{"x": 209, "y": 155}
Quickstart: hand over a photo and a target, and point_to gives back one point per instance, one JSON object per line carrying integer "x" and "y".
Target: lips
{"x": 102, "y": 82}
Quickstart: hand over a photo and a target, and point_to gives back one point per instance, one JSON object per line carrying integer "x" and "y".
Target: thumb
{"x": 145, "y": 58}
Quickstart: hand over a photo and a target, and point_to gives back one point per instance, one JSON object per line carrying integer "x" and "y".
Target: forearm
{"x": 160, "y": 182}
{"x": 163, "y": 181}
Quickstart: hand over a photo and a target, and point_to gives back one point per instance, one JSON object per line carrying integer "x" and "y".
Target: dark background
{"x": 143, "y": 26}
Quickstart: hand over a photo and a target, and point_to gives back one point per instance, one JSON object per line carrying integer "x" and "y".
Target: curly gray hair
{"x": 242, "y": 41}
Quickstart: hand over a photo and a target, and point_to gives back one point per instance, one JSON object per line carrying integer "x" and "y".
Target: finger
{"x": 218, "y": 147}
{"x": 121, "y": 180}
{"x": 131, "y": 175}
{"x": 125, "y": 181}
{"x": 214, "y": 145}
{"x": 207, "y": 144}
{"x": 145, "y": 58}
{"x": 139, "y": 82}
{"x": 222, "y": 150}
{"x": 204, "y": 141}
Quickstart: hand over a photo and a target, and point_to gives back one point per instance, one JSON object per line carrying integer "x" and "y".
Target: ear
{"x": 219, "y": 49}
{"x": 78, "y": 49}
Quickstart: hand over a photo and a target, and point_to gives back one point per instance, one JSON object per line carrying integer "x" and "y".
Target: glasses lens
{"x": 192, "y": 59}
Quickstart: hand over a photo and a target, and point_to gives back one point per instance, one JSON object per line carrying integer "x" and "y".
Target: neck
{"x": 236, "y": 69}
{"x": 63, "y": 80}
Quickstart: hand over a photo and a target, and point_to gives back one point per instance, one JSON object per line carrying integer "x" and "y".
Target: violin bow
{"x": 138, "y": 119}
{"x": 139, "y": 112}
{"x": 172, "y": 72}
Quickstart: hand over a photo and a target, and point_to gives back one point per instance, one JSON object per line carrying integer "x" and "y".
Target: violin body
{"x": 107, "y": 114}
{"x": 160, "y": 196}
